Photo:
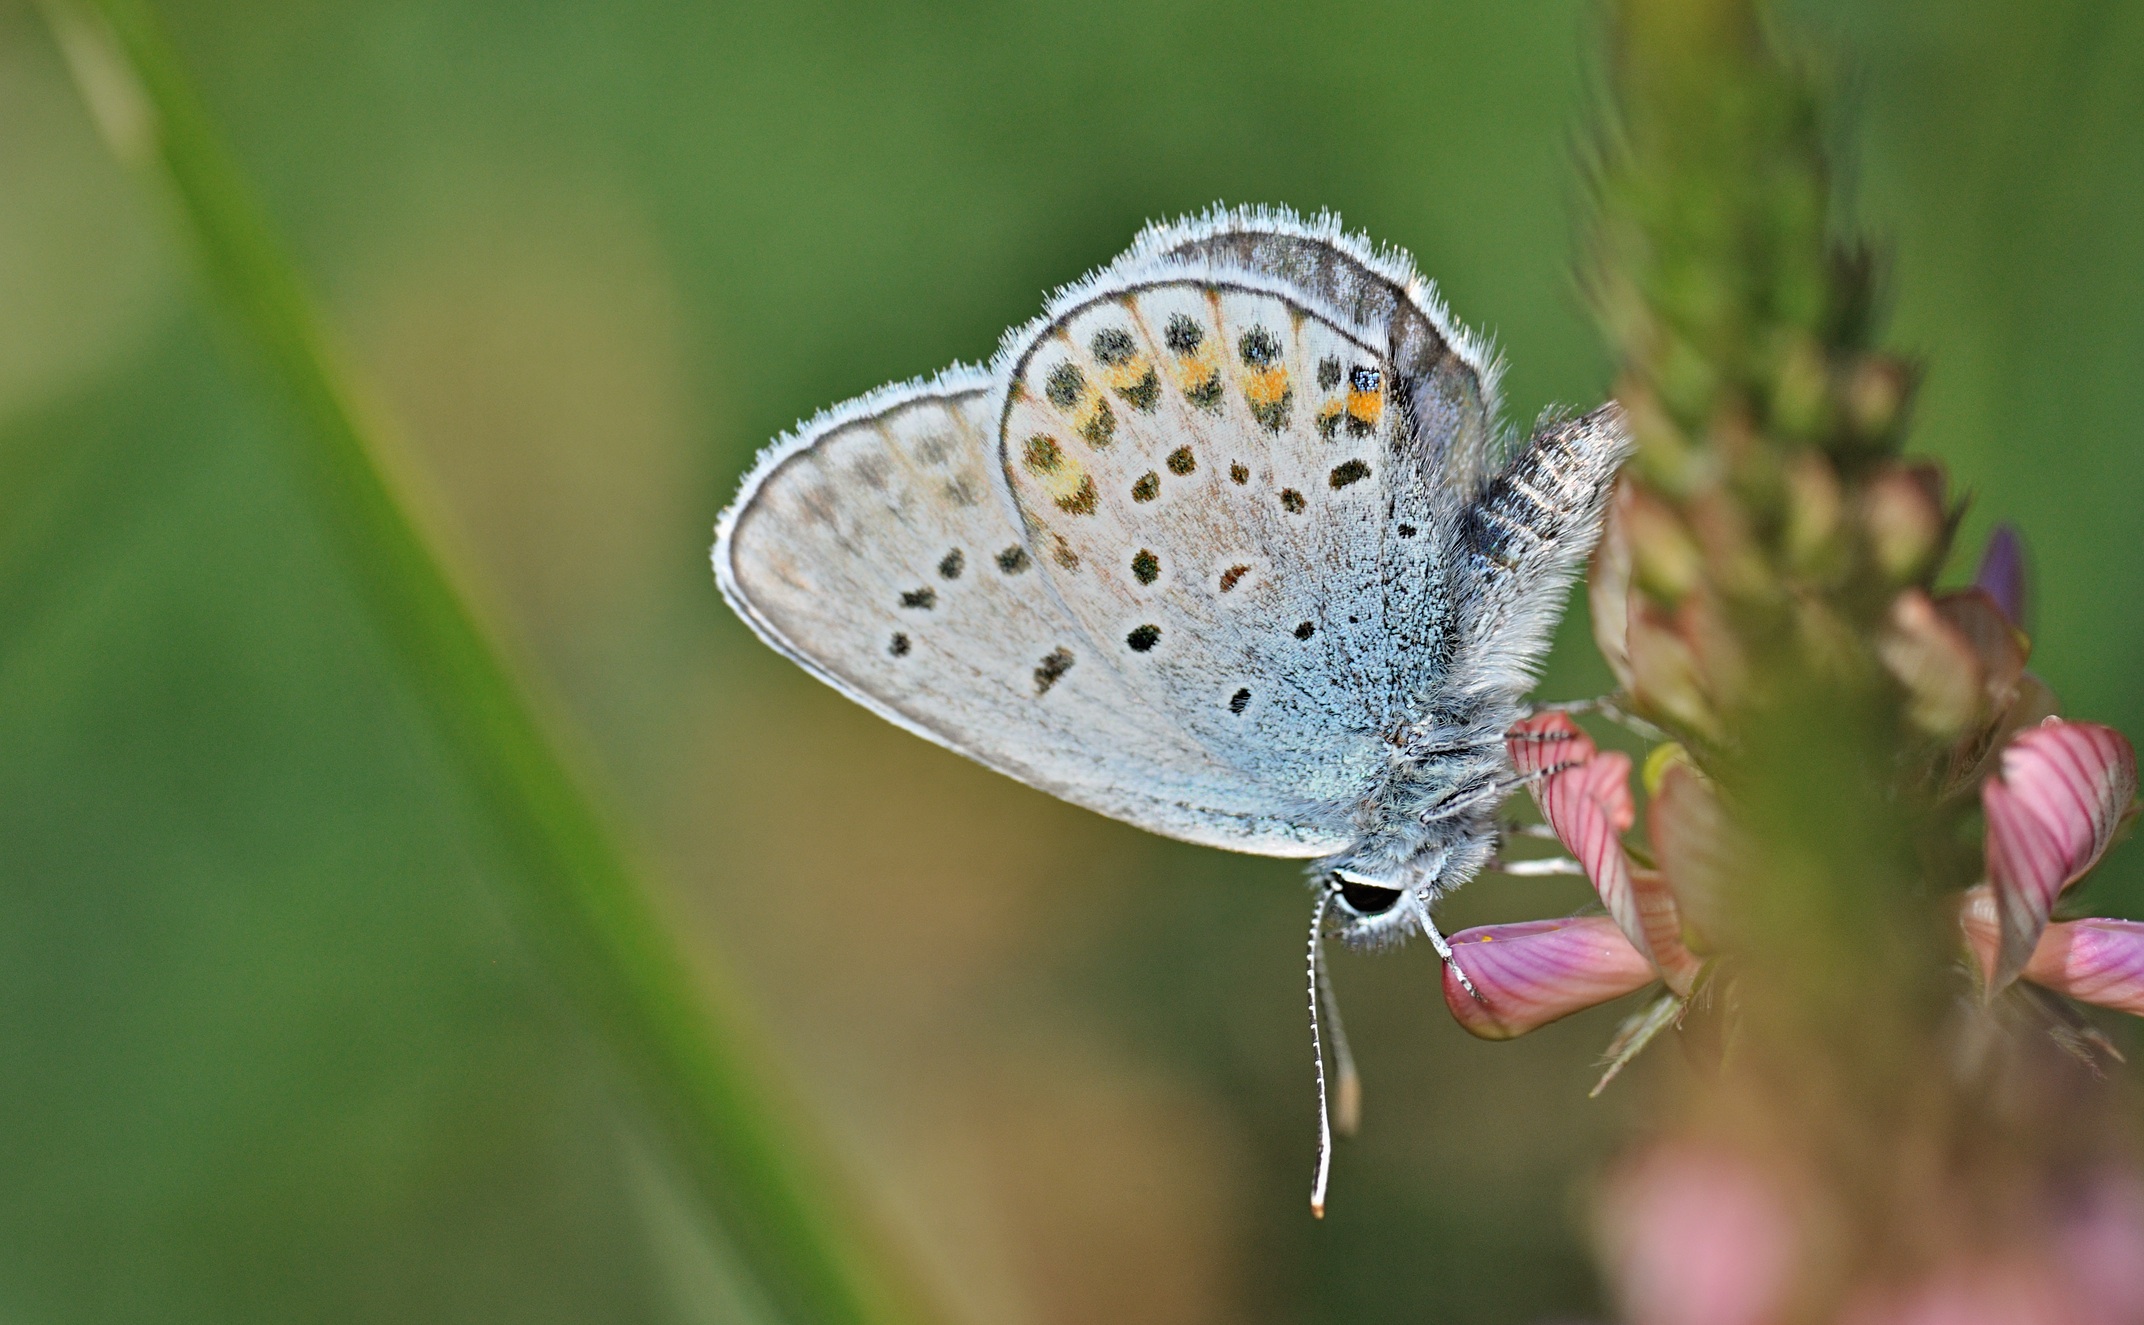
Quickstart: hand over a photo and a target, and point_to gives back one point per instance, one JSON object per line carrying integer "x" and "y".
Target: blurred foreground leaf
{"x": 583, "y": 898}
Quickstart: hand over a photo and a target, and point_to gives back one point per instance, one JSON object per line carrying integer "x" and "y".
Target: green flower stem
{"x": 586, "y": 902}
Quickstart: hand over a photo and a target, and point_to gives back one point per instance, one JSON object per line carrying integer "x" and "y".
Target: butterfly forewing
{"x": 1241, "y": 518}
{"x": 876, "y": 550}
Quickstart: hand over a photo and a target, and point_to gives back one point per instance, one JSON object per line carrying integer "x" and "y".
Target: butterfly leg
{"x": 1534, "y": 868}
{"x": 1540, "y": 867}
{"x": 1420, "y": 901}
{"x": 1541, "y": 832}
{"x": 1611, "y": 708}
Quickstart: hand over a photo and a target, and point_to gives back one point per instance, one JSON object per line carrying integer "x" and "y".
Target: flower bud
{"x": 1876, "y": 390}
{"x": 1801, "y": 391}
{"x": 1664, "y": 673}
{"x": 1664, "y": 451}
{"x": 1664, "y": 558}
{"x": 1816, "y": 511}
{"x": 1944, "y": 679}
{"x": 1608, "y": 595}
{"x": 1902, "y": 516}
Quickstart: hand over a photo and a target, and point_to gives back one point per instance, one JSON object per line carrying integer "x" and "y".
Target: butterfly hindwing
{"x": 875, "y": 549}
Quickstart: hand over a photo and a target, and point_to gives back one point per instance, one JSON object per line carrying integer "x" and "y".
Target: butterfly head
{"x": 1383, "y": 907}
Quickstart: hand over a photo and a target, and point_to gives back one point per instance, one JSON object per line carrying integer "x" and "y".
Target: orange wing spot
{"x": 1127, "y": 374}
{"x": 1366, "y": 407}
{"x": 1194, "y": 369}
{"x": 1266, "y": 387}
{"x": 1267, "y": 392}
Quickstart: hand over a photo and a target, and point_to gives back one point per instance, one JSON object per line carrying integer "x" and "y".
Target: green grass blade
{"x": 589, "y": 910}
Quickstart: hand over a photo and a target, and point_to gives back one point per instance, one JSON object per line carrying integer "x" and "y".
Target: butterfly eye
{"x": 1367, "y": 899}
{"x": 1364, "y": 378}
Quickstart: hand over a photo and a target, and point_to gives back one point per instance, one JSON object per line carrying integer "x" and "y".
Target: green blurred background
{"x": 269, "y": 1046}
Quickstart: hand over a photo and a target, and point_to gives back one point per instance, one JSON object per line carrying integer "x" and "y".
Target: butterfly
{"x": 1226, "y": 543}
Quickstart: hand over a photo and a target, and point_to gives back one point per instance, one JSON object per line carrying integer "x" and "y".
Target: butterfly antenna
{"x": 1317, "y": 1054}
{"x": 1347, "y": 1092}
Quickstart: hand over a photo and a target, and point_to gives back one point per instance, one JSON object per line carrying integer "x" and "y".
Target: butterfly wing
{"x": 873, "y": 547}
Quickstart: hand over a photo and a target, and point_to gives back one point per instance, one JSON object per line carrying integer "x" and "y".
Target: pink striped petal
{"x": 1535, "y": 972}
{"x": 1659, "y": 922}
{"x": 1587, "y": 802}
{"x": 2062, "y": 791}
{"x": 2094, "y": 961}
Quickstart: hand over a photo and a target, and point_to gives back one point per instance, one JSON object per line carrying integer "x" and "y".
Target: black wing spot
{"x": 1362, "y": 378}
{"x": 1305, "y": 630}
{"x": 899, "y": 647}
{"x": 1183, "y": 334}
{"x": 1100, "y": 426}
{"x": 1146, "y": 567}
{"x": 1328, "y": 372}
{"x": 952, "y": 564}
{"x": 1408, "y": 531}
{"x": 1065, "y": 385}
{"x": 1013, "y": 560}
{"x": 1181, "y": 461}
{"x": 1239, "y": 701}
{"x": 1054, "y": 665}
{"x": 925, "y": 598}
{"x": 1113, "y": 346}
{"x": 1239, "y": 474}
{"x": 1043, "y": 455}
{"x": 1258, "y": 348}
{"x": 1143, "y": 394}
{"x": 1348, "y": 471}
{"x": 1148, "y": 487}
{"x": 1143, "y": 638}
{"x": 1207, "y": 394}
{"x": 1082, "y": 500}
{"x": 1292, "y": 501}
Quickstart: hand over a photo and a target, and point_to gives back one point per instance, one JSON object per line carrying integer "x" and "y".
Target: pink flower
{"x": 1696, "y": 1236}
{"x": 2062, "y": 791}
{"x": 1535, "y": 972}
